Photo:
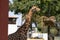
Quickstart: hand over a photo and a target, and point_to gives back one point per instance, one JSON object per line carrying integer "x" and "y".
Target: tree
{"x": 48, "y": 7}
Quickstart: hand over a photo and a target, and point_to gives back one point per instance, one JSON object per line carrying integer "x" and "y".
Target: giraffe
{"x": 50, "y": 22}
{"x": 21, "y": 33}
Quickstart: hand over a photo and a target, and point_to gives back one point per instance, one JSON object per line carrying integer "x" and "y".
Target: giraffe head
{"x": 35, "y": 9}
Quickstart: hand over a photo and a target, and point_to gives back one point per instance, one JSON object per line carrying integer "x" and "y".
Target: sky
{"x": 11, "y": 1}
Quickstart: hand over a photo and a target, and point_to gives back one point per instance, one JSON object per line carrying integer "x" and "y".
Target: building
{"x": 14, "y": 20}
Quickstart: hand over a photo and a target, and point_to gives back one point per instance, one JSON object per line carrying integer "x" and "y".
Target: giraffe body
{"x": 21, "y": 33}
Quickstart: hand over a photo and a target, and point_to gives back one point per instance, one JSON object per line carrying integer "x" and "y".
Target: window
{"x": 12, "y": 21}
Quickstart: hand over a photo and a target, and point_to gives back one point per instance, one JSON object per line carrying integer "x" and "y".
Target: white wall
{"x": 19, "y": 20}
{"x": 12, "y": 28}
{"x": 57, "y": 38}
{"x": 43, "y": 35}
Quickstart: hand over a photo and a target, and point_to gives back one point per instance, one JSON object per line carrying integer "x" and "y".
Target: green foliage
{"x": 23, "y": 5}
{"x": 53, "y": 31}
{"x": 46, "y": 6}
{"x": 58, "y": 17}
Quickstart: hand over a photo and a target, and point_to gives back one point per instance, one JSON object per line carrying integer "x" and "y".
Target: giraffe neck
{"x": 24, "y": 28}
